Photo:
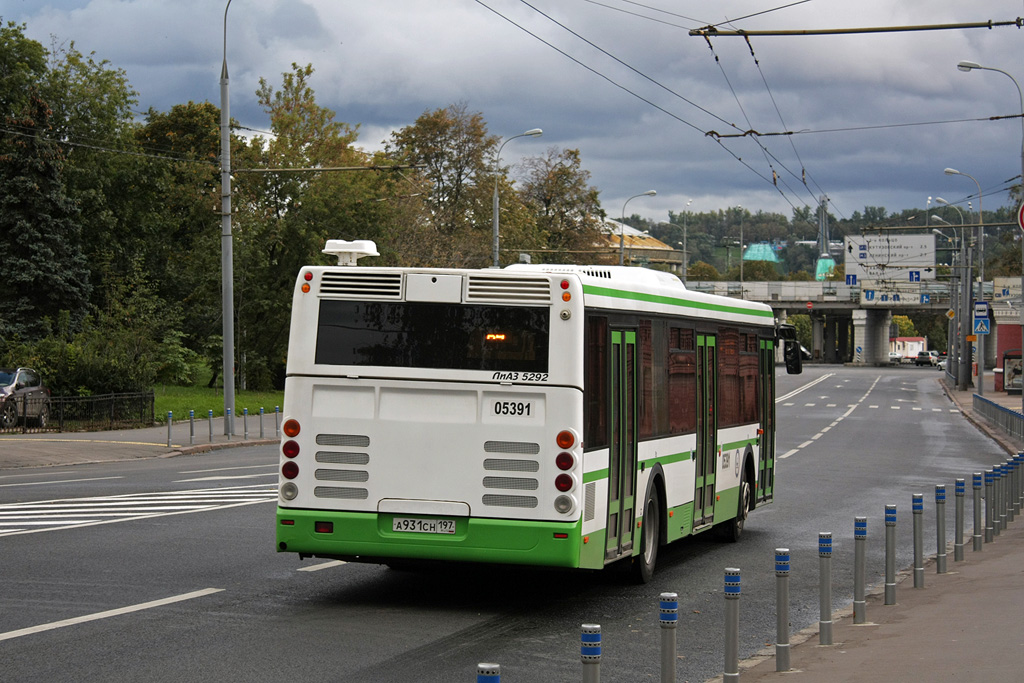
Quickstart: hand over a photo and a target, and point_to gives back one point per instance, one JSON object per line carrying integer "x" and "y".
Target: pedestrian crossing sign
{"x": 981, "y": 326}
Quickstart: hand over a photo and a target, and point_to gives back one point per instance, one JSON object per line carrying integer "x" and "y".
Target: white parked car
{"x": 895, "y": 358}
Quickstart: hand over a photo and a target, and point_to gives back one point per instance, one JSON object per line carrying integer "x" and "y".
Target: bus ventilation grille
{"x": 509, "y": 289}
{"x": 510, "y": 465}
{"x": 343, "y": 440}
{"x": 517, "y": 447}
{"x": 510, "y": 501}
{"x": 340, "y": 492}
{"x": 516, "y": 483}
{"x": 342, "y": 458}
{"x": 589, "y": 499}
{"x": 362, "y": 285}
{"x": 324, "y": 474}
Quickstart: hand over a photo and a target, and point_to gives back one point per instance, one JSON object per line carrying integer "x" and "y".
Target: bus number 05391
{"x": 515, "y": 408}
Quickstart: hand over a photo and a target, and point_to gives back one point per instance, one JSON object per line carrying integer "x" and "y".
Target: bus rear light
{"x": 565, "y": 461}
{"x": 563, "y": 482}
{"x": 566, "y": 296}
{"x": 289, "y": 491}
{"x": 290, "y": 449}
{"x": 565, "y": 439}
{"x": 563, "y": 504}
{"x": 290, "y": 470}
{"x": 287, "y": 522}
{"x": 307, "y": 276}
{"x": 561, "y": 534}
{"x": 291, "y": 428}
{"x": 323, "y": 527}
{"x": 564, "y": 284}
{"x": 305, "y": 288}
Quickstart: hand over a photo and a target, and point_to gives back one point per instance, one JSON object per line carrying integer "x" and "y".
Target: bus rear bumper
{"x": 369, "y": 537}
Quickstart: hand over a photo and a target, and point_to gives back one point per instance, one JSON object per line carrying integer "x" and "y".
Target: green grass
{"x": 179, "y": 400}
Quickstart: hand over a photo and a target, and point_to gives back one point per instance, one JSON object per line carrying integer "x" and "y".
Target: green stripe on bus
{"x": 739, "y": 444}
{"x": 596, "y": 475}
{"x": 667, "y": 459}
{"x": 674, "y": 301}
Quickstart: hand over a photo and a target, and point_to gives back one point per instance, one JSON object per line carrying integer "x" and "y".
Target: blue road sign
{"x": 981, "y": 326}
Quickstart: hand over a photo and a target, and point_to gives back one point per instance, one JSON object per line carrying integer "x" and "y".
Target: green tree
{"x": 566, "y": 211}
{"x": 701, "y": 271}
{"x": 41, "y": 255}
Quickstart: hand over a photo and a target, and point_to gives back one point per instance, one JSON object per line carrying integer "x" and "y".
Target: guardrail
{"x": 1010, "y": 421}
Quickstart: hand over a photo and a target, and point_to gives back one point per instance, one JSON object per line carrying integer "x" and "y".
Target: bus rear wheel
{"x": 643, "y": 564}
{"x": 732, "y": 530}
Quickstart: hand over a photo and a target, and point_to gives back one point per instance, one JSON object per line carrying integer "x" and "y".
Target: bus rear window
{"x": 432, "y": 335}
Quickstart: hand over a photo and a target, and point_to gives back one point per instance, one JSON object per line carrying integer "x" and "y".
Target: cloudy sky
{"x": 876, "y": 116}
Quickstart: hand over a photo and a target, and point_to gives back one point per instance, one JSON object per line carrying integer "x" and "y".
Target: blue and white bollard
{"x": 169, "y": 414}
{"x": 590, "y": 652}
{"x": 940, "y": 528}
{"x": 488, "y": 673}
{"x": 825, "y": 587}
{"x": 782, "y": 609}
{"x": 917, "y": 507}
{"x": 228, "y": 423}
{"x": 958, "y": 530}
{"x": 209, "y": 416}
{"x": 261, "y": 422}
{"x": 890, "y": 554}
{"x": 277, "y": 422}
{"x": 732, "y": 625}
{"x": 668, "y": 617}
{"x": 860, "y": 537}
{"x": 245, "y": 423}
{"x": 191, "y": 428}
{"x": 989, "y": 506}
{"x": 976, "y": 537}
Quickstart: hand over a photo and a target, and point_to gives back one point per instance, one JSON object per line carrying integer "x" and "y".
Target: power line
{"x": 714, "y": 31}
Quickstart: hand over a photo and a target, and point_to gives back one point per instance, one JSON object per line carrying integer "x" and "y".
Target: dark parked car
{"x": 927, "y": 358}
{"x": 22, "y": 394}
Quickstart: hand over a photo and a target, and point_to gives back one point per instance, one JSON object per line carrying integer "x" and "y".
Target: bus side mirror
{"x": 794, "y": 359}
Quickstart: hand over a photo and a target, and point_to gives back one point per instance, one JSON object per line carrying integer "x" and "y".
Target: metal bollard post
{"x": 782, "y": 609}
{"x": 669, "y": 619}
{"x": 825, "y": 587}
{"x": 890, "y": 554}
{"x": 277, "y": 422}
{"x": 488, "y": 673}
{"x": 1009, "y": 468}
{"x": 261, "y": 422}
{"x": 989, "y": 531}
{"x": 209, "y": 415}
{"x": 976, "y": 480}
{"x": 169, "y": 413}
{"x": 860, "y": 535}
{"x": 918, "y": 509}
{"x": 1015, "y": 485}
{"x": 245, "y": 423}
{"x": 590, "y": 653}
{"x": 732, "y": 625}
{"x": 958, "y": 530}
{"x": 191, "y": 428}
{"x": 1019, "y": 491}
{"x": 228, "y": 423}
{"x": 940, "y": 528}
{"x": 998, "y": 514}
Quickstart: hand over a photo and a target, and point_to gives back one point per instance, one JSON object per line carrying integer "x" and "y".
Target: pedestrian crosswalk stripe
{"x": 68, "y": 513}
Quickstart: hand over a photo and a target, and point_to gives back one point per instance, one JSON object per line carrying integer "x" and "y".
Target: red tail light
{"x": 290, "y": 470}
{"x": 563, "y": 482}
{"x": 290, "y": 449}
{"x": 565, "y": 461}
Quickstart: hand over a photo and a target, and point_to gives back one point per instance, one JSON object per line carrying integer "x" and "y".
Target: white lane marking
{"x": 805, "y": 387}
{"x": 54, "y": 515}
{"x": 223, "y": 478}
{"x": 109, "y": 613}
{"x": 853, "y": 406}
{"x": 62, "y": 481}
{"x": 324, "y": 565}
{"x": 225, "y": 469}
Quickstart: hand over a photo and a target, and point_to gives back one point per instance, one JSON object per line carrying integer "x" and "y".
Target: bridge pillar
{"x": 871, "y": 336}
{"x": 818, "y": 336}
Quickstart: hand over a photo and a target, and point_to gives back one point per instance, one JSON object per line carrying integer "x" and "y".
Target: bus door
{"x": 623, "y": 443}
{"x": 706, "y": 456}
{"x": 766, "y": 457}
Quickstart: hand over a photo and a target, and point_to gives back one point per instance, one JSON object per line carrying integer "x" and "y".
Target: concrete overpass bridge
{"x": 851, "y": 323}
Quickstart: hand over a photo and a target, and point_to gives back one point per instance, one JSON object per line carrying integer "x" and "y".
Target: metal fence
{"x": 81, "y": 413}
{"x": 1010, "y": 421}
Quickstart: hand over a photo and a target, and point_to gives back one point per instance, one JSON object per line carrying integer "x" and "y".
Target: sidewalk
{"x": 76, "y": 448}
{"x": 964, "y": 625}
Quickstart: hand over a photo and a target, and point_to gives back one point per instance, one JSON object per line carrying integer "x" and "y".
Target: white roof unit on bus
{"x": 350, "y": 252}
{"x": 621, "y": 274}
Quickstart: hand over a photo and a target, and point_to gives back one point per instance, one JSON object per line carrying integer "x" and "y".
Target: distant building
{"x": 639, "y": 248}
{"x": 908, "y": 347}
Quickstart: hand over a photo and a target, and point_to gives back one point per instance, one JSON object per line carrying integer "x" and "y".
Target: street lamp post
{"x": 532, "y": 133}
{"x": 741, "y": 246}
{"x": 981, "y": 275}
{"x": 226, "y": 247}
{"x": 963, "y": 307}
{"x": 686, "y": 254}
{"x": 622, "y": 229}
{"x": 969, "y": 66}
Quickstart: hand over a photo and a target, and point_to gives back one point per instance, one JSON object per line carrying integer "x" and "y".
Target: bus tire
{"x": 644, "y": 562}
{"x": 732, "y": 531}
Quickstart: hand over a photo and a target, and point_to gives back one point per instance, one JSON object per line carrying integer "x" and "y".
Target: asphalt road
{"x": 83, "y": 580}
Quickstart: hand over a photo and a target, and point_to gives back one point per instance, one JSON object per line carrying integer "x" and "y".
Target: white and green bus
{"x": 549, "y": 415}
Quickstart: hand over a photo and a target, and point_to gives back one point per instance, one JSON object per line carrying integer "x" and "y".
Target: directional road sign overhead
{"x": 894, "y": 258}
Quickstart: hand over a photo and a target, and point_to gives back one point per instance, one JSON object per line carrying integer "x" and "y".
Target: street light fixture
{"x": 532, "y": 133}
{"x": 970, "y": 66}
{"x": 981, "y": 275}
{"x": 622, "y": 229}
{"x": 226, "y": 247}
